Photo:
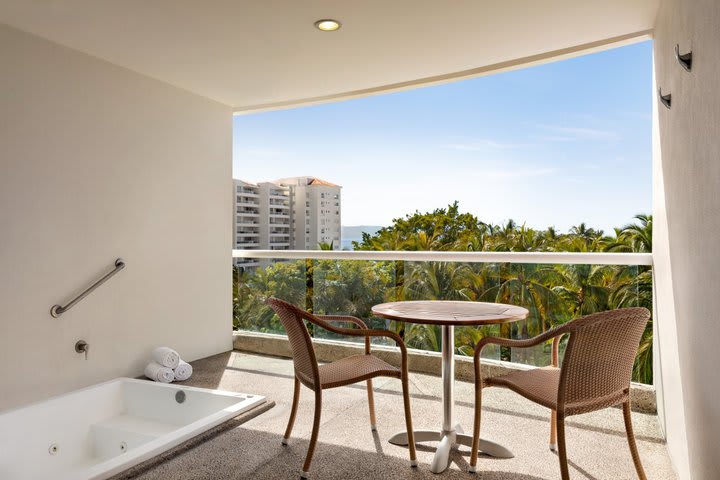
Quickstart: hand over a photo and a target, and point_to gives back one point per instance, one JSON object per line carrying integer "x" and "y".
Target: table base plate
{"x": 449, "y": 440}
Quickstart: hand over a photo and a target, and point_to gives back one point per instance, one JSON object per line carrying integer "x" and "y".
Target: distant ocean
{"x": 354, "y": 234}
{"x": 347, "y": 242}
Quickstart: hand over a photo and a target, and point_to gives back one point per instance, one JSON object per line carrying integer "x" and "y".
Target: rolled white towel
{"x": 155, "y": 371}
{"x": 183, "y": 371}
{"x": 167, "y": 357}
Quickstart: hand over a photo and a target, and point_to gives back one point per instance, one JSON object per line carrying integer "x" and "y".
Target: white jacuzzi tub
{"x": 101, "y": 430}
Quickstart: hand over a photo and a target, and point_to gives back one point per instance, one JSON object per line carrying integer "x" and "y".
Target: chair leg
{"x": 408, "y": 420}
{"x": 631, "y": 441}
{"x": 293, "y": 412}
{"x": 314, "y": 435}
{"x": 371, "y": 403}
{"x": 562, "y": 452}
{"x": 553, "y": 431}
{"x": 476, "y": 426}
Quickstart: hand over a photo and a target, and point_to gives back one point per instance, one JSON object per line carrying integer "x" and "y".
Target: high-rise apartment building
{"x": 315, "y": 212}
{"x": 261, "y": 219}
{"x": 298, "y": 213}
{"x": 275, "y": 217}
{"x": 246, "y": 220}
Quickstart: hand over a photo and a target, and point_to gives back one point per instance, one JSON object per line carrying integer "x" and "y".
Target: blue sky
{"x": 556, "y": 144}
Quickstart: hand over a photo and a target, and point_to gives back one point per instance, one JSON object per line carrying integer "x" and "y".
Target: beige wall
{"x": 687, "y": 159}
{"x": 667, "y": 377}
{"x": 98, "y": 162}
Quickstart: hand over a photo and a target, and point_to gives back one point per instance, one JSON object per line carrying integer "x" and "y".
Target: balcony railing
{"x": 554, "y": 286}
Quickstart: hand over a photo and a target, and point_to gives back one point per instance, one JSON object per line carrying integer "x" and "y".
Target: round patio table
{"x": 448, "y": 314}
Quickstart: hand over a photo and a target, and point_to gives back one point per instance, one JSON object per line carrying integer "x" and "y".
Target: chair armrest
{"x": 343, "y": 318}
{"x": 325, "y": 322}
{"x": 367, "y": 333}
{"x": 554, "y": 333}
{"x": 387, "y": 334}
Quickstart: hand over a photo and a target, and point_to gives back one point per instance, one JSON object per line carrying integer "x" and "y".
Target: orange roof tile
{"x": 317, "y": 181}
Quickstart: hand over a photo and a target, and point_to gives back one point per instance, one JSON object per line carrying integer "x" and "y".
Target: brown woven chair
{"x": 595, "y": 374}
{"x": 346, "y": 371}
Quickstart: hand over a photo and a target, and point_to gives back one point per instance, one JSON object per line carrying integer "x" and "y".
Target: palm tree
{"x": 633, "y": 287}
{"x": 432, "y": 281}
{"x": 349, "y": 287}
{"x": 527, "y": 285}
{"x": 435, "y": 281}
{"x": 634, "y": 237}
{"x": 421, "y": 241}
{"x": 475, "y": 280}
{"x": 584, "y": 288}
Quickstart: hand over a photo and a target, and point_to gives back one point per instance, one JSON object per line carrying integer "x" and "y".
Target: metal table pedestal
{"x": 451, "y": 435}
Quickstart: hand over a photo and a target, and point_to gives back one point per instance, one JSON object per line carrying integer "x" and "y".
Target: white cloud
{"x": 554, "y": 138}
{"x": 483, "y": 144}
{"x": 518, "y": 172}
{"x": 580, "y": 133}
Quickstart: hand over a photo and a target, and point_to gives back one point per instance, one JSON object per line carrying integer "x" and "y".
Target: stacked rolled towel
{"x": 167, "y": 357}
{"x": 160, "y": 369}
{"x": 166, "y": 366}
{"x": 159, "y": 373}
{"x": 183, "y": 371}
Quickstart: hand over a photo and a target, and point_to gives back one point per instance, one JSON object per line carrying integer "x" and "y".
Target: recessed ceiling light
{"x": 327, "y": 25}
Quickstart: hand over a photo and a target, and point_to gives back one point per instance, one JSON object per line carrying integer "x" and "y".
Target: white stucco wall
{"x": 687, "y": 233}
{"x": 98, "y": 162}
{"x": 667, "y": 378}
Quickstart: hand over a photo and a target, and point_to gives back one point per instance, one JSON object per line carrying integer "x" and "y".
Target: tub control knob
{"x": 82, "y": 347}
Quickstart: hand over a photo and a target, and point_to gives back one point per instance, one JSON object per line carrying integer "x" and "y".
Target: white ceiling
{"x": 265, "y": 53}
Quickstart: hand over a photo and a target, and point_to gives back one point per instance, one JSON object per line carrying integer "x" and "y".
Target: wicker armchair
{"x": 346, "y": 371}
{"x": 595, "y": 374}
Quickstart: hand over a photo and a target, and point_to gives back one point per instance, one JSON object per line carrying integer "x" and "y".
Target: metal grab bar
{"x": 58, "y": 310}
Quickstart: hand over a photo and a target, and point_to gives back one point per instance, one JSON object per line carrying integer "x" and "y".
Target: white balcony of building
{"x": 248, "y": 243}
{"x": 247, "y": 193}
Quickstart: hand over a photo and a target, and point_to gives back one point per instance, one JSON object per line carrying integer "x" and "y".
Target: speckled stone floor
{"x": 348, "y": 449}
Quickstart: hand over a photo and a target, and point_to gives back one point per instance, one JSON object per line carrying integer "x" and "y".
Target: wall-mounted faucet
{"x": 81, "y": 346}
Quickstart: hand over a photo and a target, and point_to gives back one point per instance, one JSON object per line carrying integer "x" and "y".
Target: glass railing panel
{"x": 553, "y": 295}
{"x": 349, "y": 287}
{"x": 253, "y": 284}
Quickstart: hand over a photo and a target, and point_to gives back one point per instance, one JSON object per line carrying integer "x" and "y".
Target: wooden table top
{"x": 446, "y": 312}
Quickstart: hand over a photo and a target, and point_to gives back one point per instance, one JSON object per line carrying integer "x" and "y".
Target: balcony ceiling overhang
{"x": 255, "y": 55}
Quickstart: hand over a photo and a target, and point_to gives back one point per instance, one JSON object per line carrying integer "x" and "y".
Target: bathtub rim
{"x": 163, "y": 443}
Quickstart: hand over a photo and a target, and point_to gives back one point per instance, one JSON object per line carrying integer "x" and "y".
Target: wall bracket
{"x": 665, "y": 99}
{"x": 685, "y": 60}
